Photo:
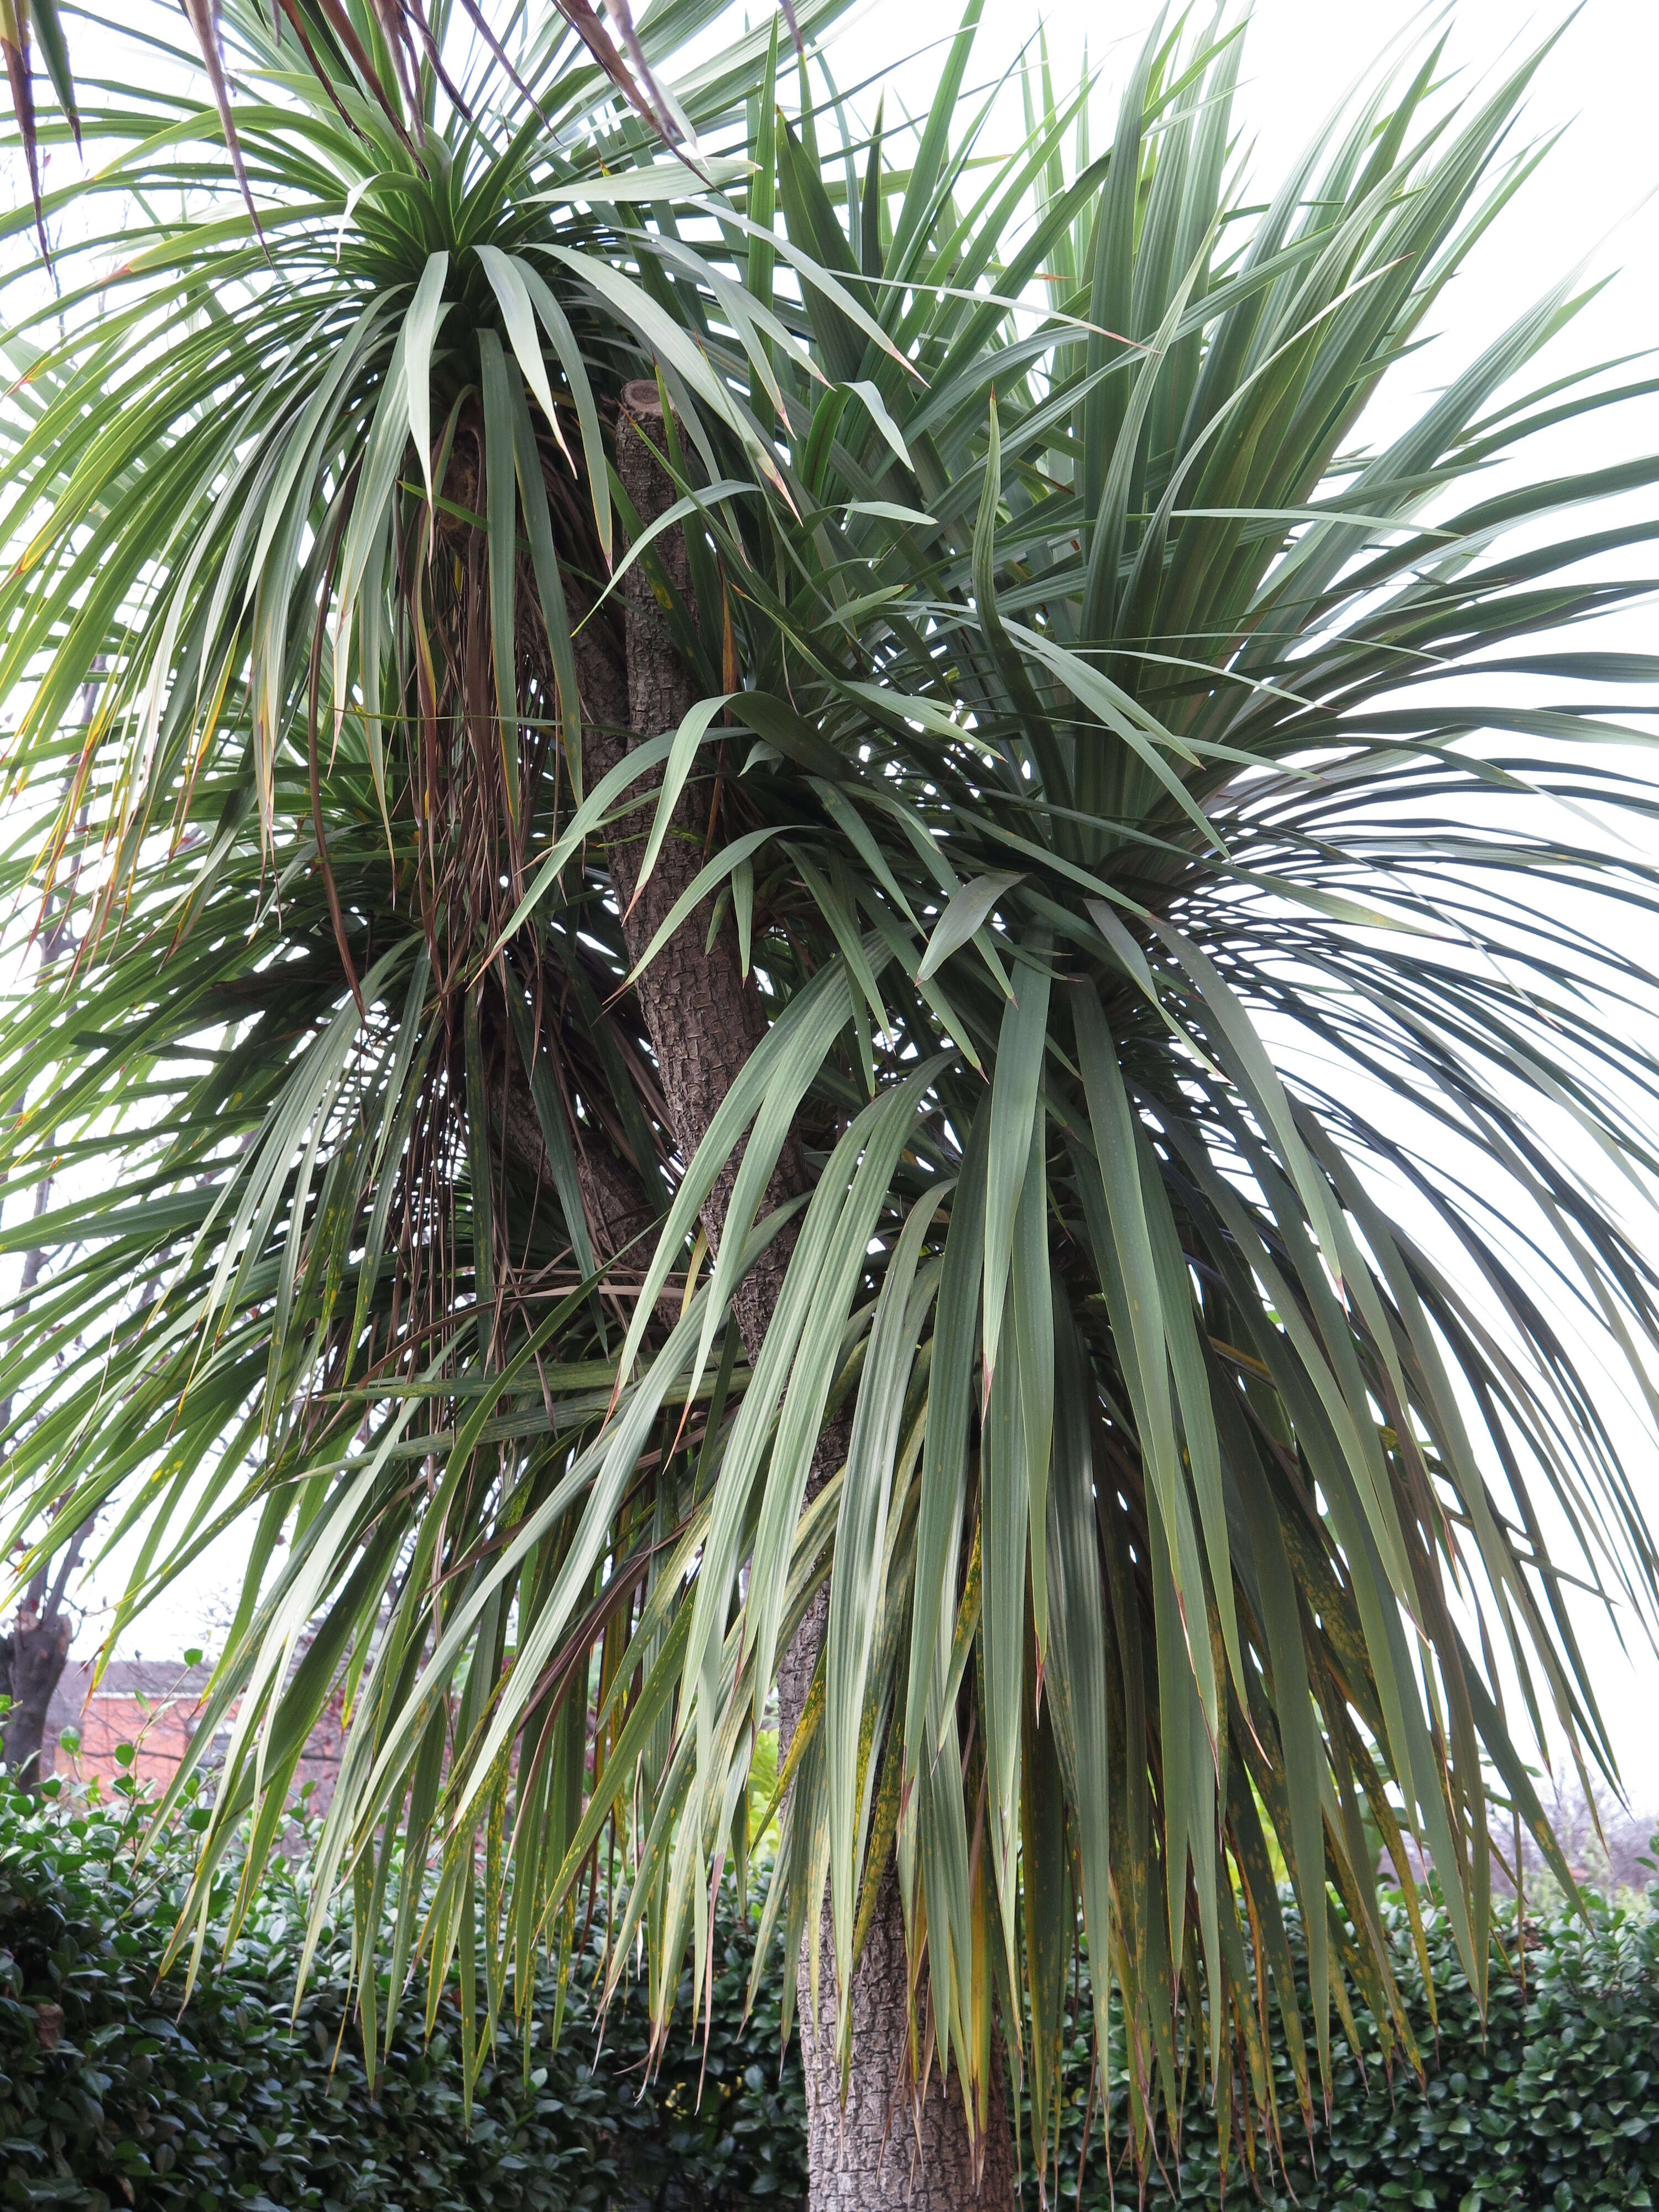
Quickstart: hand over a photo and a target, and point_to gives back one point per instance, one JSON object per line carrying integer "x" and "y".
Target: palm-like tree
{"x": 792, "y": 976}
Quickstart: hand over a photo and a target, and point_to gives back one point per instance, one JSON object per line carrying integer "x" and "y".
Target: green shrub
{"x": 235, "y": 2103}
{"x": 1556, "y": 2107}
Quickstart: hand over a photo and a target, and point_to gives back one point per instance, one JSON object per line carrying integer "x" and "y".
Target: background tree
{"x": 35, "y": 1650}
{"x": 788, "y": 985}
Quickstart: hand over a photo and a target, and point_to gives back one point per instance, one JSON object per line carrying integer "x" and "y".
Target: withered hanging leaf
{"x": 15, "y": 40}
{"x": 202, "y": 15}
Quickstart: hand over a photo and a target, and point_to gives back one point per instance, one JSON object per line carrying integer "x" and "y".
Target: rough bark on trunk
{"x": 31, "y": 1660}
{"x": 704, "y": 1021}
{"x": 882, "y": 2147}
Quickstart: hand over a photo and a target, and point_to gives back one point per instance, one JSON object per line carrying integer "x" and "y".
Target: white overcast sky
{"x": 1590, "y": 201}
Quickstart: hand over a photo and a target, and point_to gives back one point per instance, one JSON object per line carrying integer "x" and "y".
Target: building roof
{"x": 158, "y": 1681}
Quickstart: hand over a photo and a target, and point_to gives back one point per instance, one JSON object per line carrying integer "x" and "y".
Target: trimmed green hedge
{"x": 234, "y": 2104}
{"x": 125, "y": 2101}
{"x": 1556, "y": 2107}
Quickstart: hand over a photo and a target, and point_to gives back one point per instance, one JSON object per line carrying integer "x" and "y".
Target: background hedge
{"x": 124, "y": 2100}
{"x": 1556, "y": 2108}
{"x": 235, "y": 2103}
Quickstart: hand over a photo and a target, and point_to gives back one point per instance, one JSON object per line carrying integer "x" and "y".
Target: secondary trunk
{"x": 704, "y": 1021}
{"x": 31, "y": 1660}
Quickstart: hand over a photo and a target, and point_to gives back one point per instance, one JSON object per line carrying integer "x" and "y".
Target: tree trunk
{"x": 703, "y": 1018}
{"x": 30, "y": 1670}
{"x": 703, "y": 1023}
{"x": 884, "y": 2147}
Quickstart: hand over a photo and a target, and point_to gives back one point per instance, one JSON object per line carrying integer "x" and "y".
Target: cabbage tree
{"x": 833, "y": 974}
